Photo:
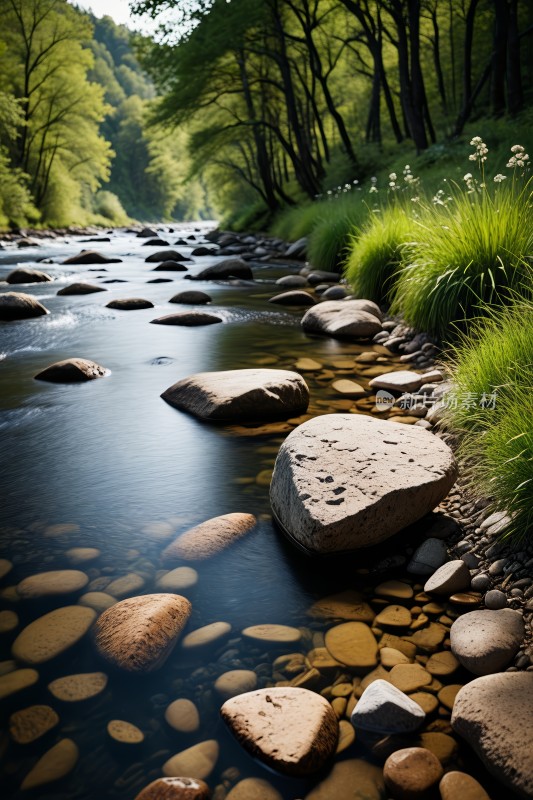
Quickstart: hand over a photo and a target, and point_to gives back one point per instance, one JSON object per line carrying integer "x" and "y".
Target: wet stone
{"x": 209, "y": 538}
{"x": 410, "y": 773}
{"x": 125, "y": 585}
{"x": 396, "y": 590}
{"x": 17, "y": 681}
{"x": 353, "y": 644}
{"x": 49, "y": 584}
{"x": 253, "y": 789}
{"x": 5, "y": 567}
{"x": 196, "y": 762}
{"x": 430, "y": 638}
{"x": 98, "y": 601}
{"x": 273, "y": 634}
{"x": 460, "y": 785}
{"x": 235, "y": 682}
{"x": 444, "y": 663}
{"x": 353, "y": 779}
{"x": 448, "y": 694}
{"x": 76, "y": 688}
{"x": 348, "y": 605}
{"x": 394, "y": 617}
{"x": 52, "y": 634}
{"x": 409, "y": 677}
{"x": 124, "y": 732}
{"x": 390, "y": 657}
{"x": 440, "y": 744}
{"x": 207, "y": 635}
{"x": 53, "y": 765}
{"x": 9, "y": 621}
{"x": 29, "y": 724}
{"x": 175, "y": 789}
{"x": 427, "y": 702}
{"x": 81, "y": 555}
{"x": 346, "y": 736}
{"x": 183, "y": 716}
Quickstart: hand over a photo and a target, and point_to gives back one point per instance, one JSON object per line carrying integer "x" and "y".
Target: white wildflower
{"x": 499, "y": 178}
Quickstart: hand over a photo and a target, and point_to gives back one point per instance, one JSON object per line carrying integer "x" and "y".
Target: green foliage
{"x": 496, "y": 442}
{"x": 297, "y": 221}
{"x": 108, "y": 206}
{"x": 331, "y": 235}
{"x": 377, "y": 251}
{"x": 467, "y": 253}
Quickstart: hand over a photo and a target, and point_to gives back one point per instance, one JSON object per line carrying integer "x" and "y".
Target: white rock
{"x": 450, "y": 578}
{"x": 383, "y": 708}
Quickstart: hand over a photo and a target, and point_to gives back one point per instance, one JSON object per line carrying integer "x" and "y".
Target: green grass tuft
{"x": 468, "y": 254}
{"x": 496, "y": 442}
{"x": 376, "y": 253}
{"x": 330, "y": 238}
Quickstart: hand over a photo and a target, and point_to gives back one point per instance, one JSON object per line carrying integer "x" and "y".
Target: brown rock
{"x": 455, "y": 785}
{"x": 90, "y": 257}
{"x": 81, "y": 288}
{"x": 75, "y": 688}
{"x": 17, "y": 305}
{"x": 487, "y": 641}
{"x": 49, "y": 584}
{"x": 393, "y": 617}
{"x": 31, "y": 723}
{"x": 410, "y": 773}
{"x": 17, "y": 680}
{"x": 347, "y": 605}
{"x": 353, "y": 644}
{"x": 52, "y": 634}
{"x": 197, "y": 761}
{"x": 175, "y": 789}
{"x": 130, "y": 304}
{"x": 124, "y": 732}
{"x": 72, "y": 370}
{"x": 354, "y": 779}
{"x": 409, "y": 677}
{"x": 28, "y": 275}
{"x": 253, "y": 789}
{"x": 291, "y": 730}
{"x": 190, "y": 319}
{"x": 55, "y": 764}
{"x": 209, "y": 538}
{"x": 138, "y": 634}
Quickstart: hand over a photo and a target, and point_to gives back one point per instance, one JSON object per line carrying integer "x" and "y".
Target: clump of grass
{"x": 331, "y": 236}
{"x": 297, "y": 221}
{"x": 467, "y": 254}
{"x": 377, "y": 252}
{"x": 491, "y": 408}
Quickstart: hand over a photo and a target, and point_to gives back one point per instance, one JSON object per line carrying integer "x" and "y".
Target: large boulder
{"x": 342, "y": 320}
{"x": 81, "y": 288}
{"x": 291, "y": 730}
{"x": 138, "y": 634}
{"x": 346, "y": 481}
{"x": 27, "y": 275}
{"x": 72, "y": 370}
{"x": 487, "y": 641}
{"x": 229, "y": 268}
{"x": 240, "y": 395}
{"x": 16, "y": 305}
{"x": 189, "y": 319}
{"x": 166, "y": 255}
{"x": 91, "y": 257}
{"x": 494, "y": 714}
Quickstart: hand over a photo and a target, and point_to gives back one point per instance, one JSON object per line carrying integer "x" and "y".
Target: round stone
{"x": 75, "y": 688}
{"x": 138, "y": 634}
{"x": 206, "y": 635}
{"x": 183, "y": 716}
{"x": 487, "y": 641}
{"x": 52, "y": 634}
{"x": 125, "y": 586}
{"x": 175, "y": 789}
{"x": 397, "y": 590}
{"x": 393, "y": 617}
{"x": 61, "y": 529}
{"x": 273, "y": 634}
{"x": 124, "y": 732}
{"x": 197, "y": 761}
{"x": 31, "y": 723}
{"x": 80, "y": 555}
{"x": 16, "y": 681}
{"x": 210, "y": 537}
{"x": 253, "y": 789}
{"x": 409, "y": 677}
{"x": 234, "y": 682}
{"x": 410, "y": 773}
{"x": 448, "y": 694}
{"x": 177, "y": 580}
{"x": 9, "y": 620}
{"x": 353, "y": 644}
{"x": 456, "y": 784}
{"x": 55, "y": 764}
{"x": 98, "y": 601}
{"x": 444, "y": 663}
{"x": 48, "y": 584}
{"x": 495, "y": 600}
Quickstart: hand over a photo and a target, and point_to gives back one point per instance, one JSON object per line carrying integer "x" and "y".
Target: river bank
{"x": 261, "y": 615}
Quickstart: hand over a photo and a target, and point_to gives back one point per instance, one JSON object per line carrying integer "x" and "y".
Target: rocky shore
{"x": 386, "y": 689}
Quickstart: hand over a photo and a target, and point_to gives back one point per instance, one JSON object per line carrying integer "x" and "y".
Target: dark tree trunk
{"x": 515, "y": 96}
{"x": 437, "y": 60}
{"x": 466, "y": 103}
{"x": 499, "y": 58}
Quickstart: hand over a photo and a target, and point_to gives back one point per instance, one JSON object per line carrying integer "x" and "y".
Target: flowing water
{"x": 110, "y": 459}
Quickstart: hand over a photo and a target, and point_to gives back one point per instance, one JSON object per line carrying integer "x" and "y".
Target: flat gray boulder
{"x": 28, "y": 275}
{"x": 241, "y": 395}
{"x": 17, "y": 305}
{"x": 294, "y": 298}
{"x": 494, "y": 714}
{"x": 189, "y": 319}
{"x": 229, "y": 268}
{"x": 382, "y": 708}
{"x": 72, "y": 370}
{"x": 91, "y": 257}
{"x": 346, "y": 481}
{"x": 487, "y": 641}
{"x": 341, "y": 320}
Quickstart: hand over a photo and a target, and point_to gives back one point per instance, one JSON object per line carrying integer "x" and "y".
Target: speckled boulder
{"x": 138, "y": 634}
{"x": 495, "y": 716}
{"x": 292, "y": 730}
{"x": 487, "y": 641}
{"x": 346, "y": 481}
{"x": 238, "y": 395}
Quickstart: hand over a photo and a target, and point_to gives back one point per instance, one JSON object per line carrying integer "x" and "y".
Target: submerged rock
{"x": 191, "y": 298}
{"x": 91, "y": 257}
{"x": 345, "y": 481}
{"x": 17, "y": 305}
{"x": 241, "y": 395}
{"x": 292, "y": 730}
{"x": 342, "y": 320}
{"x": 189, "y": 319}
{"x": 28, "y": 275}
{"x": 487, "y": 641}
{"x": 52, "y": 634}
{"x": 81, "y": 288}
{"x": 494, "y": 714}
{"x": 209, "y": 538}
{"x": 353, "y": 779}
{"x": 294, "y": 298}
{"x": 169, "y": 266}
{"x": 72, "y": 370}
{"x": 166, "y": 255}
{"x": 229, "y": 268}
{"x": 29, "y": 724}
{"x": 55, "y": 764}
{"x": 138, "y": 634}
{"x": 130, "y": 304}
{"x": 49, "y": 584}
{"x": 196, "y": 762}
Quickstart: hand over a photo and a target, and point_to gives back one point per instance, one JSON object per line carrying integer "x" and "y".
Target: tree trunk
{"x": 499, "y": 57}
{"x": 515, "y": 96}
{"x": 466, "y": 103}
